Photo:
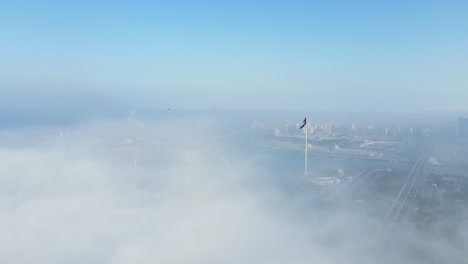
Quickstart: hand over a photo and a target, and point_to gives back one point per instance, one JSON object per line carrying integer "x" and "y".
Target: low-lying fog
{"x": 171, "y": 192}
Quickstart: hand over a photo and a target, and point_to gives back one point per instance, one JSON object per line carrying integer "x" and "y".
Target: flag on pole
{"x": 303, "y": 123}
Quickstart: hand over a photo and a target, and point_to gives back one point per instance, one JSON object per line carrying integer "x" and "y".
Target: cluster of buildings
{"x": 331, "y": 128}
{"x": 369, "y": 130}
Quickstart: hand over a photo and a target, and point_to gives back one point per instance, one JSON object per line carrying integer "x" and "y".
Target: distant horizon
{"x": 39, "y": 117}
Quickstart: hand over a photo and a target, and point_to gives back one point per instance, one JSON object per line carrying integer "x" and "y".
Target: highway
{"x": 408, "y": 192}
{"x": 402, "y": 203}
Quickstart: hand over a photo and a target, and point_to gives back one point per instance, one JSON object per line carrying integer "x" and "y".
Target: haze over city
{"x": 234, "y": 132}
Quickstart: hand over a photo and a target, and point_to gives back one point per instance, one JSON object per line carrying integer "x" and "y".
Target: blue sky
{"x": 327, "y": 55}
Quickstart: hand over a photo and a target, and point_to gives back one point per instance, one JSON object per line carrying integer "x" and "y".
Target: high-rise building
{"x": 353, "y": 127}
{"x": 277, "y": 132}
{"x": 462, "y": 128}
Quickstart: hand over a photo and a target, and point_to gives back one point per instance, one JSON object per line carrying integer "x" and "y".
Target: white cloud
{"x": 77, "y": 199}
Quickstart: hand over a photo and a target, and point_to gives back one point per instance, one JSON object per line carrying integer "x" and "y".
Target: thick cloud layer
{"x": 128, "y": 192}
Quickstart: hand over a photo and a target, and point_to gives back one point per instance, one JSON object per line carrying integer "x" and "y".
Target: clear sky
{"x": 331, "y": 55}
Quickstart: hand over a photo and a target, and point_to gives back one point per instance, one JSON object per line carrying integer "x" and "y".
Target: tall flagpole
{"x": 305, "y": 156}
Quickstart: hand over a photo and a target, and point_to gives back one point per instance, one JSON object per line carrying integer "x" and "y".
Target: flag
{"x": 303, "y": 123}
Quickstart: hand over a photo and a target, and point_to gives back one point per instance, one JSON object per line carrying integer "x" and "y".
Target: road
{"x": 402, "y": 203}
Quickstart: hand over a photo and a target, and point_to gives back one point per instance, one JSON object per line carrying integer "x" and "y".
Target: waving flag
{"x": 303, "y": 123}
